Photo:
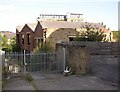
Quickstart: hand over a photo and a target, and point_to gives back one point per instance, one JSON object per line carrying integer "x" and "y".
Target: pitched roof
{"x": 19, "y": 28}
{"x": 32, "y": 26}
{"x": 67, "y": 24}
{"x": 60, "y": 24}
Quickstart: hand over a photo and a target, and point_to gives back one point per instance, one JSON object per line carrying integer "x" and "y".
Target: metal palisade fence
{"x": 32, "y": 62}
{"x": 40, "y": 62}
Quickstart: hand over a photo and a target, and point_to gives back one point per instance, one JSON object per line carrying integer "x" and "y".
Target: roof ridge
{"x": 32, "y": 26}
{"x": 20, "y": 27}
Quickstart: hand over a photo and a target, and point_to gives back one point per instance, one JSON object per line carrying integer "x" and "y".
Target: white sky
{"x": 19, "y": 12}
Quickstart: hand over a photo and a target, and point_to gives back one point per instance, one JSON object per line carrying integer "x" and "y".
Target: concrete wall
{"x": 78, "y": 57}
{"x": 97, "y": 48}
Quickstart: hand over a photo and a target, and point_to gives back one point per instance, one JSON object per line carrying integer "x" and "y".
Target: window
{"x": 22, "y": 38}
{"x": 40, "y": 41}
{"x": 18, "y": 38}
{"x": 71, "y": 39}
{"x": 28, "y": 37}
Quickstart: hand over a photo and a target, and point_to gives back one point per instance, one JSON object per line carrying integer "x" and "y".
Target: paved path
{"x": 103, "y": 67}
{"x": 56, "y": 81}
{"x": 18, "y": 84}
{"x": 61, "y": 82}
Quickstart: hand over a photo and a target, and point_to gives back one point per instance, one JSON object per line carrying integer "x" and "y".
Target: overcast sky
{"x": 19, "y": 12}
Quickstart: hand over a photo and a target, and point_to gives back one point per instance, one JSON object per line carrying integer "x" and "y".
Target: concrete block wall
{"x": 101, "y": 48}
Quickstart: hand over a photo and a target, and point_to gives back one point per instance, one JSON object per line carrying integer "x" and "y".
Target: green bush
{"x": 45, "y": 47}
{"x": 91, "y": 35}
{"x": 28, "y": 78}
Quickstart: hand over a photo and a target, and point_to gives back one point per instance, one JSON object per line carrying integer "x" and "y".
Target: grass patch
{"x": 34, "y": 86}
{"x": 30, "y": 79}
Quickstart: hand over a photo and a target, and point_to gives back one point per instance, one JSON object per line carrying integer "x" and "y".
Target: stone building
{"x": 55, "y": 29}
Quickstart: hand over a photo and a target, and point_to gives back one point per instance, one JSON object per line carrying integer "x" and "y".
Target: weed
{"x": 28, "y": 78}
{"x": 31, "y": 80}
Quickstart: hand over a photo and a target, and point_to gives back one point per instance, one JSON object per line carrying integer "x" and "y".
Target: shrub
{"x": 45, "y": 47}
{"x": 28, "y": 78}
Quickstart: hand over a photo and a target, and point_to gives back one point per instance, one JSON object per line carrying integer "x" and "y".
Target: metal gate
{"x": 14, "y": 64}
{"x": 20, "y": 63}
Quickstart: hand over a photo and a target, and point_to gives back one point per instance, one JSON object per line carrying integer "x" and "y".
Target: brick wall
{"x": 37, "y": 33}
{"x": 26, "y": 30}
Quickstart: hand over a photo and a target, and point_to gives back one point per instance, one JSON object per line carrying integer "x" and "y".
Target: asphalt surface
{"x": 103, "y": 76}
{"x": 60, "y": 82}
{"x": 17, "y": 84}
{"x": 105, "y": 67}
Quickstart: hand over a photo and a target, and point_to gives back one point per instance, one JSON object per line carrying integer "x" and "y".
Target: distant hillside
{"x": 8, "y": 34}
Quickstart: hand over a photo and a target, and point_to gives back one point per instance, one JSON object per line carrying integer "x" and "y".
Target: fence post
{"x": 24, "y": 63}
{"x": 64, "y": 59}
